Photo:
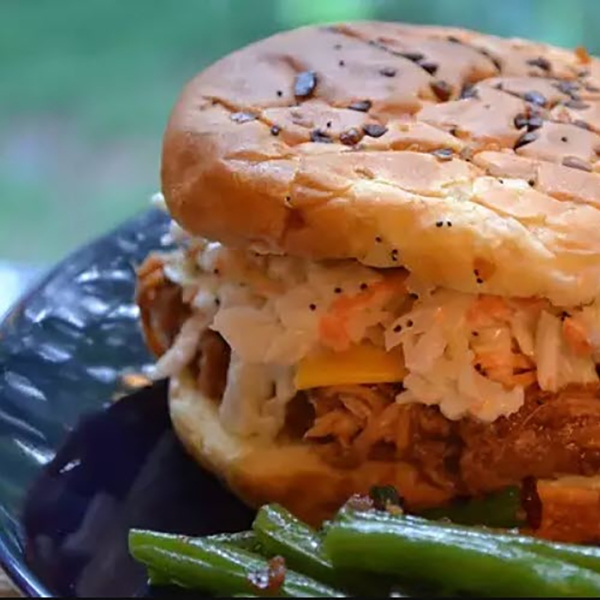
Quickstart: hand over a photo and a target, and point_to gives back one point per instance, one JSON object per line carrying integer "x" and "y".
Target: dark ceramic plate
{"x": 77, "y": 469}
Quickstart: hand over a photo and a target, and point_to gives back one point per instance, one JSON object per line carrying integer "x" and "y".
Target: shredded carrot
{"x": 525, "y": 379}
{"x": 501, "y": 367}
{"x": 513, "y": 360}
{"x": 535, "y": 305}
{"x": 510, "y": 379}
{"x": 520, "y": 361}
{"x": 333, "y": 332}
{"x": 389, "y": 285}
{"x": 576, "y": 337}
{"x": 345, "y": 304}
{"x": 492, "y": 360}
{"x": 503, "y": 375}
{"x": 495, "y": 306}
{"x": 488, "y": 309}
{"x": 333, "y": 325}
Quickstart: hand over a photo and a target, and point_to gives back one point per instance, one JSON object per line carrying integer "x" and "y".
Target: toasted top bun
{"x": 470, "y": 159}
{"x": 293, "y": 475}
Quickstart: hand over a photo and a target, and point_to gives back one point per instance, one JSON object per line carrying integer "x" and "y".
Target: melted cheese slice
{"x": 360, "y": 364}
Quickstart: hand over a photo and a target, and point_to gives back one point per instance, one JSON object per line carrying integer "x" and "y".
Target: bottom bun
{"x": 293, "y": 475}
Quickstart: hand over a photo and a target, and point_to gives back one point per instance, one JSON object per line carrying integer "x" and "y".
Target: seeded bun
{"x": 291, "y": 474}
{"x": 471, "y": 159}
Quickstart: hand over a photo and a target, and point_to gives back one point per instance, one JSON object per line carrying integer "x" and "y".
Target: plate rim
{"x": 20, "y": 575}
{"x": 48, "y": 274}
{"x": 17, "y": 570}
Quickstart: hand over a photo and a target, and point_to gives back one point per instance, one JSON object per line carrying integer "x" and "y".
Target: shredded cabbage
{"x": 255, "y": 398}
{"x": 183, "y": 350}
{"x": 465, "y": 353}
{"x": 436, "y": 340}
{"x": 557, "y": 364}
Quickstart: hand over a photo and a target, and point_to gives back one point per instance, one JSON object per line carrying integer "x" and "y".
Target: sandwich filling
{"x": 368, "y": 364}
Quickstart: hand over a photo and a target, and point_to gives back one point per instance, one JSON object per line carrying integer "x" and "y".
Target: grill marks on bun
{"x": 282, "y": 117}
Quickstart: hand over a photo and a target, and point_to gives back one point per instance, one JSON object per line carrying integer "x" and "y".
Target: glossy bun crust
{"x": 471, "y": 159}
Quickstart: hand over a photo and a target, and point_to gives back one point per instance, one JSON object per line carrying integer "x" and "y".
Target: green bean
{"x": 581, "y": 556}
{"x": 280, "y": 533}
{"x": 587, "y": 557}
{"x": 499, "y": 509}
{"x": 426, "y": 551}
{"x": 246, "y": 540}
{"x": 157, "y": 579}
{"x": 215, "y": 567}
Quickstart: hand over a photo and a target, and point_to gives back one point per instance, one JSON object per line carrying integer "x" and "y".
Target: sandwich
{"x": 386, "y": 270}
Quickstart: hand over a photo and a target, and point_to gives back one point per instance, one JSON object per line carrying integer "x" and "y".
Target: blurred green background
{"x": 86, "y": 87}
